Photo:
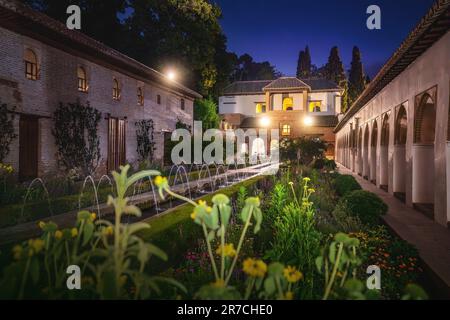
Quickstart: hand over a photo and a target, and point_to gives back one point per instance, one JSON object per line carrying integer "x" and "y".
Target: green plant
{"x": 338, "y": 261}
{"x": 7, "y": 134}
{"x": 145, "y": 140}
{"x": 345, "y": 184}
{"x": 76, "y": 136}
{"x": 364, "y": 205}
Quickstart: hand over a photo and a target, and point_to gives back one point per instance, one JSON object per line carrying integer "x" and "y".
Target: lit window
{"x": 288, "y": 104}
{"x": 82, "y": 80}
{"x": 140, "y": 96}
{"x": 286, "y": 130}
{"x": 315, "y": 106}
{"x": 31, "y": 65}
{"x": 116, "y": 90}
{"x": 158, "y": 99}
{"x": 182, "y": 104}
{"x": 260, "y": 108}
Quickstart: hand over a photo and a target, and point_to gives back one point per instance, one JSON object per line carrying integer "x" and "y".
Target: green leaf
{"x": 88, "y": 232}
{"x": 211, "y": 235}
{"x": 141, "y": 175}
{"x": 275, "y": 269}
{"x": 258, "y": 217}
{"x": 156, "y": 251}
{"x": 270, "y": 286}
{"x": 319, "y": 263}
{"x": 225, "y": 214}
{"x": 332, "y": 252}
{"x": 138, "y": 226}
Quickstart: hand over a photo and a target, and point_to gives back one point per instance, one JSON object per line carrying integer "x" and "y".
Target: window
{"x": 31, "y": 65}
{"x": 158, "y": 99}
{"x": 286, "y": 130}
{"x": 182, "y": 104}
{"x": 140, "y": 96}
{"x": 116, "y": 90}
{"x": 260, "y": 108}
{"x": 315, "y": 106}
{"x": 82, "y": 80}
{"x": 288, "y": 104}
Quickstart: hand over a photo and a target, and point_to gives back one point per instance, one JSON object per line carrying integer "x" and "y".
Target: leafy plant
{"x": 364, "y": 205}
{"x": 76, "y": 136}
{"x": 145, "y": 139}
{"x": 7, "y": 134}
{"x": 345, "y": 184}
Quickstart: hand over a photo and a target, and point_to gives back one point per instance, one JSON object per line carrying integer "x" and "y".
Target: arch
{"x": 373, "y": 152}
{"x": 258, "y": 147}
{"x": 384, "y": 154}
{"x": 140, "y": 98}
{"x": 359, "y": 152}
{"x": 288, "y": 104}
{"x": 366, "y": 165}
{"x": 82, "y": 79}
{"x": 31, "y": 64}
{"x": 116, "y": 89}
{"x": 399, "y": 158}
{"x": 423, "y": 152}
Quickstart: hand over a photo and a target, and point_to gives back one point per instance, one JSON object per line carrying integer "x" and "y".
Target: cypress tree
{"x": 357, "y": 79}
{"x": 304, "y": 64}
{"x": 334, "y": 69}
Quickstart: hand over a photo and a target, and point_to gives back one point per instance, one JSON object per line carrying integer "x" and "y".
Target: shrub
{"x": 364, "y": 205}
{"x": 7, "y": 134}
{"x": 345, "y": 184}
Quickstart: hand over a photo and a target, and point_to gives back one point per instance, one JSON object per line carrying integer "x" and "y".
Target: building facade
{"x": 297, "y": 107}
{"x": 44, "y": 64}
{"x": 397, "y": 134}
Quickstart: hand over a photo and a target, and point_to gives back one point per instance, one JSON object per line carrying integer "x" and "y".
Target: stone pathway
{"x": 430, "y": 238}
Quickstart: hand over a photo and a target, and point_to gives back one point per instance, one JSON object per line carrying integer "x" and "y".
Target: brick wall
{"x": 58, "y": 83}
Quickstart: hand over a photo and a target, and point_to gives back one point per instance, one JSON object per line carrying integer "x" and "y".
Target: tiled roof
{"x": 20, "y": 18}
{"x": 286, "y": 83}
{"x": 320, "y": 84}
{"x": 318, "y": 121}
{"x": 246, "y": 87}
{"x": 434, "y": 25}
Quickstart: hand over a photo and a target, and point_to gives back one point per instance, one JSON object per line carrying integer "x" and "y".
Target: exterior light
{"x": 265, "y": 121}
{"x": 171, "y": 75}
{"x": 308, "y": 121}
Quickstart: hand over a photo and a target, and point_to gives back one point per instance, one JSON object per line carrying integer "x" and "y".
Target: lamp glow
{"x": 265, "y": 121}
{"x": 171, "y": 75}
{"x": 308, "y": 121}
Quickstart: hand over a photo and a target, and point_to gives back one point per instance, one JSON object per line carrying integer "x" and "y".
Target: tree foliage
{"x": 246, "y": 69}
{"x": 145, "y": 139}
{"x": 76, "y": 137}
{"x": 7, "y": 134}
{"x": 304, "y": 64}
{"x": 357, "y": 79}
{"x": 302, "y": 149}
{"x": 205, "y": 110}
{"x": 334, "y": 69}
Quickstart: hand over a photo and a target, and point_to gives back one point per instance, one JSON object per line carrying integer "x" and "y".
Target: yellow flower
{"x": 36, "y": 245}
{"x": 193, "y": 215}
{"x": 201, "y": 202}
{"x": 220, "y": 283}
{"x": 289, "y": 295}
{"x": 311, "y": 190}
{"x": 41, "y": 224}
{"x": 306, "y": 179}
{"x": 291, "y": 183}
{"x": 228, "y": 250}
{"x": 208, "y": 209}
{"x": 93, "y": 216}
{"x": 254, "y": 268}
{"x": 108, "y": 231}
{"x": 160, "y": 181}
{"x": 292, "y": 274}
{"x": 17, "y": 251}
{"x": 74, "y": 232}
{"x": 58, "y": 234}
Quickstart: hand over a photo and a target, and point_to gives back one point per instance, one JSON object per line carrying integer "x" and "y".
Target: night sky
{"x": 275, "y": 30}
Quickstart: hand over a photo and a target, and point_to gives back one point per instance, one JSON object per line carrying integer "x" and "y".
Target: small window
{"x": 286, "y": 130}
{"x": 140, "y": 96}
{"x": 31, "y": 65}
{"x": 116, "y": 90}
{"x": 158, "y": 99}
{"x": 288, "y": 104}
{"x": 260, "y": 108}
{"x": 183, "y": 106}
{"x": 82, "y": 80}
{"x": 315, "y": 106}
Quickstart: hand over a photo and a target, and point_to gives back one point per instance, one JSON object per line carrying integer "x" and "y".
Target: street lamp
{"x": 265, "y": 121}
{"x": 308, "y": 121}
{"x": 171, "y": 75}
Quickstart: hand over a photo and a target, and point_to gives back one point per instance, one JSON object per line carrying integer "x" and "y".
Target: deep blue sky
{"x": 275, "y": 30}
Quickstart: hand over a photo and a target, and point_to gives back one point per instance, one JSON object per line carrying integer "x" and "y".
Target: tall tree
{"x": 357, "y": 79}
{"x": 248, "y": 70}
{"x": 334, "y": 69}
{"x": 304, "y": 64}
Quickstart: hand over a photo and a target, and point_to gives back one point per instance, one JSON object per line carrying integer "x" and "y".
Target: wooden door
{"x": 28, "y": 147}
{"x": 116, "y": 143}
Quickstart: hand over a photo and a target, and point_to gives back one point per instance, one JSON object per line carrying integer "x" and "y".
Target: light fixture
{"x": 265, "y": 121}
{"x": 171, "y": 75}
{"x": 308, "y": 121}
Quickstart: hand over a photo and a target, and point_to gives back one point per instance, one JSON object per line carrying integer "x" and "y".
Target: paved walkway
{"x": 431, "y": 239}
